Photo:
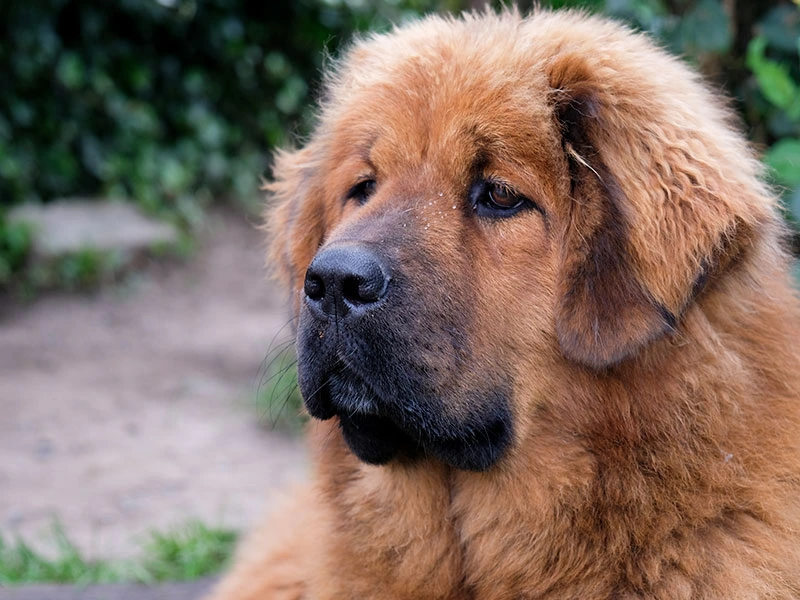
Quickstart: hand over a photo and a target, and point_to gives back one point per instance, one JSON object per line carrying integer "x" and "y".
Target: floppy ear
{"x": 293, "y": 221}
{"x": 641, "y": 239}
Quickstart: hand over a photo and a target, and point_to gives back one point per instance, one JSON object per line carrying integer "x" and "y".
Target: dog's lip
{"x": 319, "y": 404}
{"x": 325, "y": 403}
{"x": 379, "y": 428}
{"x": 359, "y": 409}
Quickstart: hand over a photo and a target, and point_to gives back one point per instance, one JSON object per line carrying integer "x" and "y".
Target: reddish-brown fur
{"x": 647, "y": 324}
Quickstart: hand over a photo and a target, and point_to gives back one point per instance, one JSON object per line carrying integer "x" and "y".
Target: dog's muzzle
{"x": 379, "y": 350}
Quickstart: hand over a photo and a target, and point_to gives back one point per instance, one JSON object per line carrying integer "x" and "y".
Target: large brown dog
{"x": 545, "y": 324}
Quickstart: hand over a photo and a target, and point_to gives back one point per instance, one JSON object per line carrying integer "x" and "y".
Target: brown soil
{"x": 133, "y": 409}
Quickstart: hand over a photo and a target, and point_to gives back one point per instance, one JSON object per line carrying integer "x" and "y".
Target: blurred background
{"x": 148, "y": 403}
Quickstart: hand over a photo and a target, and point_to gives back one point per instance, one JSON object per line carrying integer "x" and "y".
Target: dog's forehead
{"x": 418, "y": 94}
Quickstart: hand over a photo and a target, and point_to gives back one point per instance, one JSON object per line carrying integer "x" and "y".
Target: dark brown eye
{"x": 502, "y": 197}
{"x": 362, "y": 191}
{"x": 496, "y": 200}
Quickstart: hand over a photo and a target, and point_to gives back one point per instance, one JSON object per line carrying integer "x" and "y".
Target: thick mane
{"x": 547, "y": 322}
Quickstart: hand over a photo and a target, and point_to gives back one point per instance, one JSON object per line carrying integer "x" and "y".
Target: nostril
{"x": 365, "y": 289}
{"x": 314, "y": 287}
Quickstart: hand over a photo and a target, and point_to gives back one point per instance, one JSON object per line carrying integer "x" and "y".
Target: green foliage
{"x": 774, "y": 79}
{"x": 694, "y": 28}
{"x": 704, "y": 28}
{"x": 185, "y": 553}
{"x": 20, "y": 563}
{"x": 15, "y": 245}
{"x": 784, "y": 159}
{"x": 778, "y": 84}
{"x": 170, "y": 103}
{"x": 159, "y": 100}
{"x": 83, "y": 269}
{"x": 122, "y": 98}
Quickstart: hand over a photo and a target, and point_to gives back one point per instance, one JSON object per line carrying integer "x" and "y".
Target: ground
{"x": 133, "y": 409}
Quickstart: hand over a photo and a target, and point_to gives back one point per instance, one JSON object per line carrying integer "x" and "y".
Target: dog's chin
{"x": 376, "y": 440}
{"x": 374, "y": 435}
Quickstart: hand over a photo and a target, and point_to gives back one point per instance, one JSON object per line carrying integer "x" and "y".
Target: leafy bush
{"x": 15, "y": 244}
{"x": 168, "y": 102}
{"x": 777, "y": 82}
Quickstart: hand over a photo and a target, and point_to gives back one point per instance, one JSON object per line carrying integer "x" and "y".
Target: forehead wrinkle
{"x": 480, "y": 147}
{"x": 365, "y": 151}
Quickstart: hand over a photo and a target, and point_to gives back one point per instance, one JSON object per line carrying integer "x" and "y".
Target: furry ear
{"x": 293, "y": 221}
{"x": 619, "y": 289}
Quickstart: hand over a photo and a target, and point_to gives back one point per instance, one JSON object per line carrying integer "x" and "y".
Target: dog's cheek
{"x": 437, "y": 310}
{"x": 517, "y": 275}
{"x": 450, "y": 325}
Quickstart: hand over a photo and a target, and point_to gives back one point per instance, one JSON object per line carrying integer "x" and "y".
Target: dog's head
{"x": 491, "y": 197}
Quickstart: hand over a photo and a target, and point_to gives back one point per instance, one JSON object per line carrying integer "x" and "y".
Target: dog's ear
{"x": 294, "y": 222}
{"x": 644, "y": 234}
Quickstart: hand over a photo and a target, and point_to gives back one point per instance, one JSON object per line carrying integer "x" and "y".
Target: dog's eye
{"x": 362, "y": 191}
{"x": 496, "y": 200}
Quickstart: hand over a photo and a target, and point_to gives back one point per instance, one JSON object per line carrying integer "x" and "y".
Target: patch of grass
{"x": 20, "y": 563}
{"x": 88, "y": 269}
{"x": 182, "y": 554}
{"x": 182, "y": 249}
{"x": 84, "y": 270}
{"x": 15, "y": 246}
{"x": 278, "y": 399}
{"x": 193, "y": 552}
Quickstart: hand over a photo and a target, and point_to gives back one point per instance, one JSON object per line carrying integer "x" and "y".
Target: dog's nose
{"x": 345, "y": 279}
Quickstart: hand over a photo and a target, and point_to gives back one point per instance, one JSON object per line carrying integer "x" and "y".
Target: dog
{"x": 546, "y": 328}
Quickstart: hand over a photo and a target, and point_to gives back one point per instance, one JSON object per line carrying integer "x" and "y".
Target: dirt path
{"x": 133, "y": 409}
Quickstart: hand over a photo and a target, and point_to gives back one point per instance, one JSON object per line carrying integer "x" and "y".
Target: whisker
{"x": 277, "y": 389}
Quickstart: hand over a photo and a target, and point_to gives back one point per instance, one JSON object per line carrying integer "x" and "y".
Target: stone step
{"x": 68, "y": 226}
